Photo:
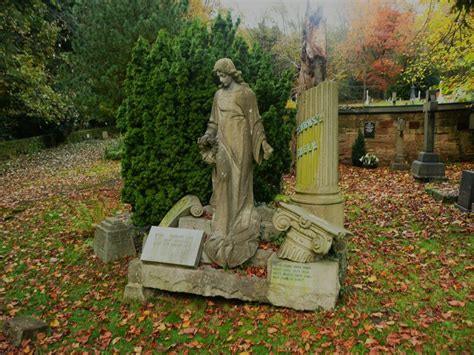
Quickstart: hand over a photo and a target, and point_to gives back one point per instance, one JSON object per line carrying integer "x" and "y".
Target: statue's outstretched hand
{"x": 267, "y": 150}
{"x": 204, "y": 140}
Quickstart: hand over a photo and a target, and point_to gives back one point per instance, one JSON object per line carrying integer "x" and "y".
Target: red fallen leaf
{"x": 326, "y": 344}
{"x": 456, "y": 303}
{"x": 393, "y": 339}
{"x": 83, "y": 338}
{"x": 305, "y": 334}
{"x": 193, "y": 344}
{"x": 188, "y": 331}
{"x": 371, "y": 341}
{"x": 105, "y": 339}
{"x": 403, "y": 287}
{"x": 272, "y": 330}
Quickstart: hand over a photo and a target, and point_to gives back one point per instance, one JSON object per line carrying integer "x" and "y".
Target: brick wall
{"x": 454, "y": 141}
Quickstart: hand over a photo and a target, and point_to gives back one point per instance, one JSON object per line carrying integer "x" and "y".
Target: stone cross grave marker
{"x": 428, "y": 166}
{"x": 177, "y": 246}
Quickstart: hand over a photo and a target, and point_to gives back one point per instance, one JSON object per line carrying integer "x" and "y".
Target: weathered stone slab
{"x": 134, "y": 291}
{"x": 189, "y": 204}
{"x": 265, "y": 212}
{"x": 205, "y": 281}
{"x": 176, "y": 246}
{"x": 113, "y": 240}
{"x": 23, "y": 327}
{"x": 190, "y": 222}
{"x": 466, "y": 191}
{"x": 443, "y": 195}
{"x": 307, "y": 286}
{"x": 399, "y": 166}
{"x": 303, "y": 286}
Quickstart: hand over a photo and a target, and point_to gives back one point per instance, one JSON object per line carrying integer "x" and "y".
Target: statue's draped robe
{"x": 239, "y": 132}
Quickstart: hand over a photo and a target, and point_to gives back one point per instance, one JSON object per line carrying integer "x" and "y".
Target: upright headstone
{"x": 428, "y": 166}
{"x": 466, "y": 191}
{"x": 412, "y": 93}
{"x": 394, "y": 98}
{"x": 400, "y": 161}
{"x": 317, "y": 153}
{"x": 367, "y": 99}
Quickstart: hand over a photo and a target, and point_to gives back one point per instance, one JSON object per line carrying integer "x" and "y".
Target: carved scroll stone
{"x": 308, "y": 236}
{"x": 189, "y": 204}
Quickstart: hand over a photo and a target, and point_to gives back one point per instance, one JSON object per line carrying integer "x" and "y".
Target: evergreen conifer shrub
{"x": 358, "y": 149}
{"x": 168, "y": 98}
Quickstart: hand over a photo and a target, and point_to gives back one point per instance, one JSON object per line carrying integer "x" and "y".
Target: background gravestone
{"x": 428, "y": 166}
{"x": 466, "y": 191}
{"x": 400, "y": 161}
{"x": 113, "y": 240}
{"x": 369, "y": 129}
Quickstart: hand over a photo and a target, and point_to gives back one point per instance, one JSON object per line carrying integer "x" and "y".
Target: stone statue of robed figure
{"x": 234, "y": 138}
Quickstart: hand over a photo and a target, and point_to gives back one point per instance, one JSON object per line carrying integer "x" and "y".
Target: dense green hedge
{"x": 169, "y": 91}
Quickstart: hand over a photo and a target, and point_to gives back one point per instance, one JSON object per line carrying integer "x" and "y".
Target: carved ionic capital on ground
{"x": 308, "y": 236}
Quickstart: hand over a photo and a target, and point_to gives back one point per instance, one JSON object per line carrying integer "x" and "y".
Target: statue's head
{"x": 226, "y": 66}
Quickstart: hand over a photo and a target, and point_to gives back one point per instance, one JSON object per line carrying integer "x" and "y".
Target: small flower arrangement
{"x": 369, "y": 160}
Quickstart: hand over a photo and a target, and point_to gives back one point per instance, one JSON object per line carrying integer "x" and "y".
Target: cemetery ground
{"x": 409, "y": 284}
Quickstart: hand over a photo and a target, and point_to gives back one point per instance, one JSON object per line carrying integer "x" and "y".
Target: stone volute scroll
{"x": 189, "y": 204}
{"x": 308, "y": 236}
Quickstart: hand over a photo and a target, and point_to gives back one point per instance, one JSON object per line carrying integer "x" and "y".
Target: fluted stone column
{"x": 317, "y": 153}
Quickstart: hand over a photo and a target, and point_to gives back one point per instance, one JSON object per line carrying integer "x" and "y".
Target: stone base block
{"x": 443, "y": 196}
{"x": 303, "y": 286}
{"x": 23, "y": 327}
{"x": 136, "y": 292}
{"x": 462, "y": 208}
{"x": 399, "y": 166}
{"x": 268, "y": 231}
{"x": 299, "y": 286}
{"x": 113, "y": 240}
{"x": 205, "y": 281}
{"x": 428, "y": 171}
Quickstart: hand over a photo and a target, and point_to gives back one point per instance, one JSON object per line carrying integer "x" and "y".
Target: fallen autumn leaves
{"x": 409, "y": 283}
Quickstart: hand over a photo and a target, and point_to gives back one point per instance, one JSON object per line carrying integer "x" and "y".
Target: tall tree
{"x": 378, "y": 36}
{"x": 28, "y": 58}
{"x": 313, "y": 53}
{"x": 104, "y": 35}
{"x": 443, "y": 45}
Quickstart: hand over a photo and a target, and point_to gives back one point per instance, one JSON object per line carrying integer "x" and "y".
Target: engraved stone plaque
{"x": 369, "y": 130}
{"x": 177, "y": 246}
{"x": 303, "y": 286}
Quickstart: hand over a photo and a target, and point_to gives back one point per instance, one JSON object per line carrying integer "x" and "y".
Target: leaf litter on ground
{"x": 408, "y": 286}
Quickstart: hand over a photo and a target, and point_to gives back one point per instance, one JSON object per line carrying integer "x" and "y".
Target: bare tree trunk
{"x": 314, "y": 53}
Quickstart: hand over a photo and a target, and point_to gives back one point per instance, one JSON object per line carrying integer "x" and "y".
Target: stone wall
{"x": 454, "y": 139}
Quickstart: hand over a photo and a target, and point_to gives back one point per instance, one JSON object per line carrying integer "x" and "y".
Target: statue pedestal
{"x": 301, "y": 286}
